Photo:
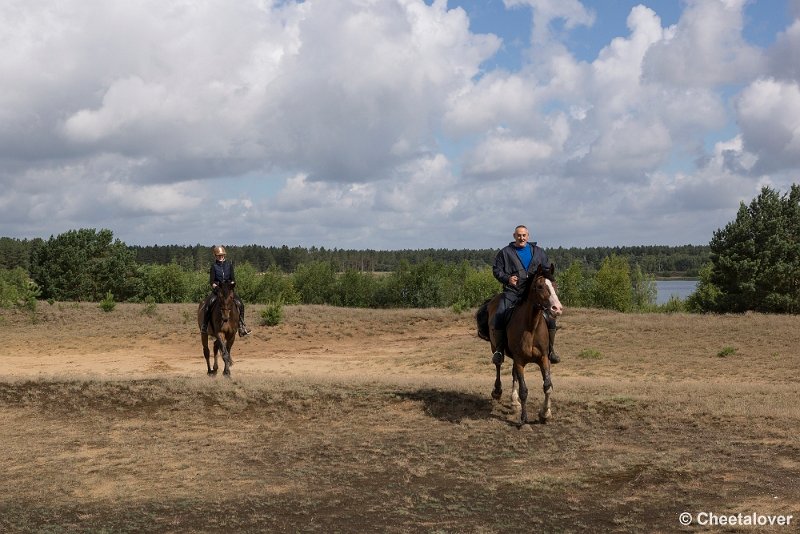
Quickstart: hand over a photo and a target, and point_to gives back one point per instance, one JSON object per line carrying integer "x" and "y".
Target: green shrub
{"x": 574, "y": 286}
{"x": 315, "y": 282}
{"x": 643, "y": 289}
{"x": 673, "y": 305}
{"x": 83, "y": 265}
{"x": 355, "y": 289}
{"x": 165, "y": 283}
{"x": 149, "y": 306}
{"x": 477, "y": 286}
{"x": 272, "y": 315}
{"x": 108, "y": 304}
{"x": 726, "y": 351}
{"x": 612, "y": 284}
{"x": 17, "y": 289}
{"x": 460, "y": 307}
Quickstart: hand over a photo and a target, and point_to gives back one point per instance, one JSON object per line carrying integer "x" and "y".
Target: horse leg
{"x": 547, "y": 386}
{"x": 206, "y": 352}
{"x": 498, "y": 386}
{"x": 515, "y": 388}
{"x": 216, "y": 356}
{"x": 523, "y": 393}
{"x": 226, "y": 357}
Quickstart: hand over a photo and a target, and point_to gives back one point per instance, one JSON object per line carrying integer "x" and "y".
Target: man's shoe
{"x": 552, "y": 354}
{"x": 500, "y": 347}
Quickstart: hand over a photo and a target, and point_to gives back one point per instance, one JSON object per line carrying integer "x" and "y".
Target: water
{"x": 679, "y": 288}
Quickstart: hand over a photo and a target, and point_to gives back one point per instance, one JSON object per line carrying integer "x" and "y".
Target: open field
{"x": 345, "y": 420}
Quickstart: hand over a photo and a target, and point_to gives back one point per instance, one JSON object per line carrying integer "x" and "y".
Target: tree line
{"x": 753, "y": 263}
{"x": 657, "y": 260}
{"x": 91, "y": 265}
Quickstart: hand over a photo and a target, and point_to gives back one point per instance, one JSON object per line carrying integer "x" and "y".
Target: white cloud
{"x": 769, "y": 114}
{"x": 504, "y": 155}
{"x": 572, "y": 12}
{"x": 784, "y": 57}
{"x": 377, "y": 123}
{"x": 706, "y": 47}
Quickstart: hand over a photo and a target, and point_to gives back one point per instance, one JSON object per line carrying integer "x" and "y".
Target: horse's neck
{"x": 532, "y": 313}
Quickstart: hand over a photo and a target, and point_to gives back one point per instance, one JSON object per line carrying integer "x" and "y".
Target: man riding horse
{"x": 222, "y": 271}
{"x": 513, "y": 265}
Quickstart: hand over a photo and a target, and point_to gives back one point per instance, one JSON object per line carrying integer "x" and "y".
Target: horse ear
{"x": 552, "y": 268}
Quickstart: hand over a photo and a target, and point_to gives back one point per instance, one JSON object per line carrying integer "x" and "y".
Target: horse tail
{"x": 482, "y": 319}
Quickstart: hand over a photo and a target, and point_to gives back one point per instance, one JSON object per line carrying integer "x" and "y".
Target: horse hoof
{"x": 497, "y": 393}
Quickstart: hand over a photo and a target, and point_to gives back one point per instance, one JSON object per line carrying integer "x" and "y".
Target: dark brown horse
{"x": 222, "y": 327}
{"x": 527, "y": 337}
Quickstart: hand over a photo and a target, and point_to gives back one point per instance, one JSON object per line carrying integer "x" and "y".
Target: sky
{"x": 395, "y": 124}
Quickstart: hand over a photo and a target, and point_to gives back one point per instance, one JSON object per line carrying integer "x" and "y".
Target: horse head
{"x": 225, "y": 295}
{"x": 542, "y": 290}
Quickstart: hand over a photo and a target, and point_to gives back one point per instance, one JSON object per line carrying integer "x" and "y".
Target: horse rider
{"x": 222, "y": 271}
{"x": 513, "y": 264}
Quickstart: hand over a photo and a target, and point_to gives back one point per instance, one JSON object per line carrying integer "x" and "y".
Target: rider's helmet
{"x": 218, "y": 250}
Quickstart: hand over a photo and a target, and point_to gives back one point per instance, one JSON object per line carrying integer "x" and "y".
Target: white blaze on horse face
{"x": 555, "y": 304}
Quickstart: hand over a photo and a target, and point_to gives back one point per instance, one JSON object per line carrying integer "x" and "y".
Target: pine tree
{"x": 755, "y": 259}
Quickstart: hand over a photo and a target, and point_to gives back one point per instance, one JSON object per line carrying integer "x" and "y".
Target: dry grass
{"x": 380, "y": 420}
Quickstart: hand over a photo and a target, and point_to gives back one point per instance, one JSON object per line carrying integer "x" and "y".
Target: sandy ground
{"x": 381, "y": 420}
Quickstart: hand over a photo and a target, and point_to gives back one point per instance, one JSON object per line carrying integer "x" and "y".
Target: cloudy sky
{"x": 392, "y": 124}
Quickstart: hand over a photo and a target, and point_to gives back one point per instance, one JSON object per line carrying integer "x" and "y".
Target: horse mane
{"x": 540, "y": 271}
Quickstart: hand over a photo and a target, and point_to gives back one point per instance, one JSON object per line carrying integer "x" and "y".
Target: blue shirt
{"x": 525, "y": 255}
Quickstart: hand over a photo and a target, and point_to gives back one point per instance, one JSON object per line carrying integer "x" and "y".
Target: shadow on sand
{"x": 451, "y": 406}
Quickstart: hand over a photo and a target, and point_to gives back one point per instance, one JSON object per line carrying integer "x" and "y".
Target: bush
{"x": 612, "y": 284}
{"x": 108, "y": 304}
{"x": 315, "y": 282}
{"x": 706, "y": 295}
{"x": 574, "y": 286}
{"x": 279, "y": 286}
{"x": 17, "y": 289}
{"x": 644, "y": 289}
{"x": 673, "y": 305}
{"x": 271, "y": 286}
{"x": 84, "y": 265}
{"x": 272, "y": 315}
{"x": 355, "y": 289}
{"x": 165, "y": 283}
{"x": 475, "y": 286}
{"x": 149, "y": 307}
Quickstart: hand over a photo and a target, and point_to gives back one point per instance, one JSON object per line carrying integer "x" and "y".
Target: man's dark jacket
{"x": 507, "y": 264}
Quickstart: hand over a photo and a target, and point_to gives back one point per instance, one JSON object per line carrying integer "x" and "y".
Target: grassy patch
{"x": 590, "y": 354}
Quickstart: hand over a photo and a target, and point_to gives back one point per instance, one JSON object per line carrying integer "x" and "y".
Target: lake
{"x": 678, "y": 288}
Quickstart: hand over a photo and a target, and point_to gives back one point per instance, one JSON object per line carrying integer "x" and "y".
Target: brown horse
{"x": 222, "y": 327}
{"x": 526, "y": 335}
